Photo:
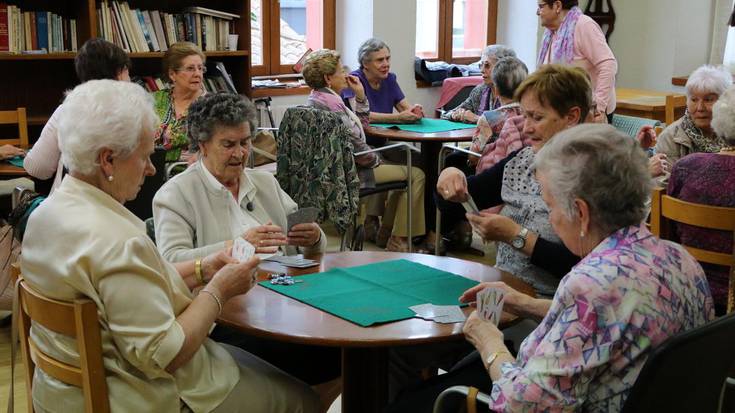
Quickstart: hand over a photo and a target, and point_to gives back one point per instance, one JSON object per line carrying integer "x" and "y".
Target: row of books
{"x": 136, "y": 30}
{"x": 35, "y": 31}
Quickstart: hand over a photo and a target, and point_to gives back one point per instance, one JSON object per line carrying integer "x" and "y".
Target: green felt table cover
{"x": 16, "y": 161}
{"x": 376, "y": 293}
{"x": 426, "y": 125}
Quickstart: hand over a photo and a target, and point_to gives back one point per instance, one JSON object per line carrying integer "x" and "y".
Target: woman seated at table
{"x": 96, "y": 59}
{"x": 183, "y": 66}
{"x": 608, "y": 313}
{"x": 693, "y": 131}
{"x": 709, "y": 178}
{"x": 482, "y": 97}
{"x": 323, "y": 72}
{"x": 83, "y": 243}
{"x": 381, "y": 86}
{"x": 553, "y": 98}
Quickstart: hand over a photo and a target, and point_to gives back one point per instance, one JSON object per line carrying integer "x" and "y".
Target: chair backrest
{"x": 667, "y": 210}
{"x": 12, "y": 117}
{"x": 687, "y": 372}
{"x": 315, "y": 164}
{"x": 78, "y": 320}
{"x": 458, "y": 98}
{"x": 675, "y": 105}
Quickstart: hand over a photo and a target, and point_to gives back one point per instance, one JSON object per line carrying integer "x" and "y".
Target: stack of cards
{"x": 302, "y": 216}
{"x": 469, "y": 205}
{"x": 440, "y": 313}
{"x": 490, "y": 304}
{"x": 289, "y": 261}
{"x": 242, "y": 250}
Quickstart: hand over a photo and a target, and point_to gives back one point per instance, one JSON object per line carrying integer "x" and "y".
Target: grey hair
{"x": 709, "y": 79}
{"x": 497, "y": 52}
{"x": 508, "y": 74}
{"x": 215, "y": 110}
{"x": 101, "y": 114}
{"x": 369, "y": 47}
{"x": 602, "y": 166}
{"x": 723, "y": 116}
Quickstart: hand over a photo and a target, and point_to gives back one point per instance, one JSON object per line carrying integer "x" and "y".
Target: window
{"x": 283, "y": 30}
{"x": 455, "y": 31}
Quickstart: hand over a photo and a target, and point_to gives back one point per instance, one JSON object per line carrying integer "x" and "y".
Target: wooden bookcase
{"x": 38, "y": 82}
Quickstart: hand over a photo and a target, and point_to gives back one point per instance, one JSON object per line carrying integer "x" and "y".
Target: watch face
{"x": 518, "y": 243}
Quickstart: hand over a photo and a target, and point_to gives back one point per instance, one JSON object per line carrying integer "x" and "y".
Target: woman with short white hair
{"x": 693, "y": 131}
{"x": 82, "y": 242}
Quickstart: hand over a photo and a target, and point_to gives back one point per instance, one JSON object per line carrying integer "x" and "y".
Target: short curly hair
{"x": 215, "y": 110}
{"x": 323, "y": 62}
{"x": 723, "y": 116}
{"x": 560, "y": 87}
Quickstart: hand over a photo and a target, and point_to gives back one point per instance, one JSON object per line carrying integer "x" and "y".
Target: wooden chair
{"x": 674, "y": 103}
{"x": 12, "y": 117}
{"x": 77, "y": 319}
{"x": 665, "y": 210}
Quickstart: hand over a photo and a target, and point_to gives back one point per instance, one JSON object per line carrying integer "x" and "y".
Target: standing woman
{"x": 183, "y": 63}
{"x": 573, "y": 38}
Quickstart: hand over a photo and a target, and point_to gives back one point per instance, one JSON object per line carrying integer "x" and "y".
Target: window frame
{"x": 446, "y": 26}
{"x": 271, "y": 16}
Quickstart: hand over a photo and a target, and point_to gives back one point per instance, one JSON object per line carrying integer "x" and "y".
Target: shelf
{"x": 274, "y": 91}
{"x": 38, "y": 119}
{"x": 43, "y": 56}
{"x": 158, "y": 55}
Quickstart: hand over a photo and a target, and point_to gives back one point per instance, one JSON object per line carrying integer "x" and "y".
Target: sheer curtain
{"x": 723, "y": 36}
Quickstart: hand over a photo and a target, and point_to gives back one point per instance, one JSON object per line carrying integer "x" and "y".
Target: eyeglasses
{"x": 192, "y": 69}
{"x": 541, "y": 6}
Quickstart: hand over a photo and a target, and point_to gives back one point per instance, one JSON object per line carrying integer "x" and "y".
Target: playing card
{"x": 469, "y": 205}
{"x": 302, "y": 216}
{"x": 292, "y": 261}
{"x": 242, "y": 250}
{"x": 440, "y": 313}
{"x": 490, "y": 304}
{"x": 453, "y": 314}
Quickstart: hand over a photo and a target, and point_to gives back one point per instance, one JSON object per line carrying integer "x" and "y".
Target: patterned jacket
{"x": 510, "y": 139}
{"x": 315, "y": 164}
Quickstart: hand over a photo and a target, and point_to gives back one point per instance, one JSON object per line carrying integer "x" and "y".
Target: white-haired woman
{"x": 629, "y": 293}
{"x": 83, "y": 243}
{"x": 709, "y": 178}
{"x": 693, "y": 131}
{"x": 482, "y": 96}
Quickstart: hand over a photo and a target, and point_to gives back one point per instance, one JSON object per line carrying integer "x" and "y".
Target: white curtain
{"x": 720, "y": 27}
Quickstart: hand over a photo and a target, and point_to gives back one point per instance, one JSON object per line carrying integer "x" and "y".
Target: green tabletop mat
{"x": 426, "y": 125}
{"x": 16, "y": 161}
{"x": 376, "y": 293}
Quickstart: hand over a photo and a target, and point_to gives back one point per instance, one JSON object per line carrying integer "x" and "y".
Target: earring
{"x": 109, "y": 178}
{"x": 581, "y": 234}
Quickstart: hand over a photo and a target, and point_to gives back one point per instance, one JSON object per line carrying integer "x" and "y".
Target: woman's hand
{"x": 515, "y": 302}
{"x": 265, "y": 238}
{"x": 418, "y": 110}
{"x": 646, "y": 136}
{"x": 407, "y": 117}
{"x": 10, "y": 151}
{"x": 452, "y": 185}
{"x": 483, "y": 335}
{"x": 215, "y": 261}
{"x": 304, "y": 235}
{"x": 658, "y": 165}
{"x": 234, "y": 279}
{"x": 353, "y": 82}
{"x": 494, "y": 227}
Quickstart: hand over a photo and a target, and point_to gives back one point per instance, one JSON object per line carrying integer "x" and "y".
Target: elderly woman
{"x": 709, "y": 178}
{"x": 96, "y": 59}
{"x": 553, "y": 98}
{"x": 381, "y": 86}
{"x": 82, "y": 243}
{"x": 183, "y": 64}
{"x": 573, "y": 38}
{"x": 482, "y": 97}
{"x": 609, "y": 312}
{"x": 693, "y": 132}
{"x": 323, "y": 72}
{"x": 216, "y": 200}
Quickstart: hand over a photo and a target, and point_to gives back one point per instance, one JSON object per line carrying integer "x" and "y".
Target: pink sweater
{"x": 45, "y": 158}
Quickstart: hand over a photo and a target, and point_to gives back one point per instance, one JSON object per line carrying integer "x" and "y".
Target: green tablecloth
{"x": 426, "y": 125}
{"x": 376, "y": 293}
{"x": 16, "y": 161}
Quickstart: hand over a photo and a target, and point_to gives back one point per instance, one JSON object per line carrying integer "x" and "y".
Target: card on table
{"x": 242, "y": 250}
{"x": 470, "y": 206}
{"x": 490, "y": 304}
{"x": 289, "y": 261}
{"x": 302, "y": 216}
{"x": 440, "y": 313}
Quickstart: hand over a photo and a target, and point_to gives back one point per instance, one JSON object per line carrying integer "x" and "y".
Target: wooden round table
{"x": 265, "y": 313}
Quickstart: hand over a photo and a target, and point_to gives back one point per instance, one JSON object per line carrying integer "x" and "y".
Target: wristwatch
{"x": 492, "y": 356}
{"x": 519, "y": 241}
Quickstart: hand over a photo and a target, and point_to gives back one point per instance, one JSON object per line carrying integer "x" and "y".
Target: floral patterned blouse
{"x": 172, "y": 133}
{"x": 626, "y": 297}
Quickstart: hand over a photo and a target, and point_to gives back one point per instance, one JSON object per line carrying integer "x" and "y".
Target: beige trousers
{"x": 395, "y": 210}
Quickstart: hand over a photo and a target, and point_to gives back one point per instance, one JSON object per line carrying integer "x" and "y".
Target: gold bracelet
{"x": 198, "y": 271}
{"x": 213, "y": 295}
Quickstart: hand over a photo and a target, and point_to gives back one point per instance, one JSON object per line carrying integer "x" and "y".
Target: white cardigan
{"x": 192, "y": 217}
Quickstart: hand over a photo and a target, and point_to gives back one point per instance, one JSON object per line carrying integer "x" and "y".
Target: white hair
{"x": 497, "y": 52}
{"x": 723, "y": 116}
{"x": 103, "y": 114}
{"x": 709, "y": 79}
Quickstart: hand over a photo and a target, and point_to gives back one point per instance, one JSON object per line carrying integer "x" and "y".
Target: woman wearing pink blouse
{"x": 573, "y": 38}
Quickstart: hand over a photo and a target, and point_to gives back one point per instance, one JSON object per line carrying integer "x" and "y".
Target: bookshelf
{"x": 38, "y": 81}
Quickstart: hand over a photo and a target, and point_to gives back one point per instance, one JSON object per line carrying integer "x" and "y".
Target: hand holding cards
{"x": 302, "y": 216}
{"x": 242, "y": 250}
{"x": 490, "y": 304}
{"x": 470, "y": 206}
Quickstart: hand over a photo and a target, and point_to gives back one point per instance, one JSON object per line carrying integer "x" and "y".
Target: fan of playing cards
{"x": 490, "y": 304}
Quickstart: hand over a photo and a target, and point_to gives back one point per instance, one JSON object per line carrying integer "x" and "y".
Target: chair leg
{"x": 438, "y": 231}
{"x": 409, "y": 199}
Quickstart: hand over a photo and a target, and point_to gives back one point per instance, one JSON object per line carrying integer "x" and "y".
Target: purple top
{"x": 382, "y": 100}
{"x": 706, "y": 178}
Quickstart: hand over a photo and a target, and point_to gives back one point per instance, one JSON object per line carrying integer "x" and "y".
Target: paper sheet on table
{"x": 427, "y": 125}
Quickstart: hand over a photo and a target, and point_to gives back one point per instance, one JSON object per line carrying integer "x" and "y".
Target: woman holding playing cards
{"x": 82, "y": 243}
{"x": 628, "y": 294}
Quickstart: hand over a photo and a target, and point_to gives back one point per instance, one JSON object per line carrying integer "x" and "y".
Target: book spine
{"x": 150, "y": 30}
{"x": 27, "y": 31}
{"x": 4, "y": 38}
{"x": 49, "y": 31}
{"x": 42, "y": 29}
{"x": 74, "y": 44}
{"x": 34, "y": 32}
{"x": 180, "y": 29}
{"x": 120, "y": 29}
{"x": 158, "y": 29}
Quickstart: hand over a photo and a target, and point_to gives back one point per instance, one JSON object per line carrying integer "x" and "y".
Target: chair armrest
{"x": 457, "y": 148}
{"x": 457, "y": 390}
{"x": 404, "y": 145}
